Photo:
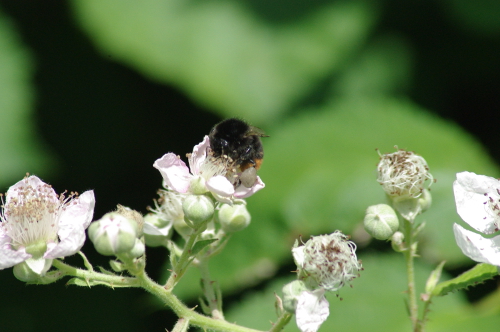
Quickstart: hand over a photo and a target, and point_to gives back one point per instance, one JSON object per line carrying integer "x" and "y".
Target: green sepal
{"x": 204, "y": 306}
{"x": 174, "y": 253}
{"x": 80, "y": 282}
{"x": 117, "y": 266}
{"x": 198, "y": 246}
{"x": 89, "y": 283}
{"x": 104, "y": 271}
{"x": 48, "y": 278}
{"x": 434, "y": 278}
{"x": 86, "y": 262}
{"x": 479, "y": 273}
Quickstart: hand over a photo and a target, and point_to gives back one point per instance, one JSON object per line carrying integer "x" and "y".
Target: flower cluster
{"x": 38, "y": 225}
{"x": 478, "y": 203}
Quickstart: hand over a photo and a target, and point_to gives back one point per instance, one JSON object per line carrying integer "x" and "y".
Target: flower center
{"x": 222, "y": 165}
{"x": 30, "y": 216}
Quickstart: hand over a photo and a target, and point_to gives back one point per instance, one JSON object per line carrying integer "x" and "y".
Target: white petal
{"x": 69, "y": 244}
{"x": 32, "y": 181}
{"x": 174, "y": 171}
{"x": 8, "y": 256}
{"x": 244, "y": 192}
{"x": 220, "y": 185}
{"x": 72, "y": 224}
{"x": 476, "y": 247}
{"x": 154, "y": 230}
{"x": 470, "y": 190}
{"x": 312, "y": 310}
{"x": 199, "y": 155}
{"x": 40, "y": 265}
{"x": 298, "y": 256}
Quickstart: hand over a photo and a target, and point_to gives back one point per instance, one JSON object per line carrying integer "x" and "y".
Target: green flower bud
{"x": 23, "y": 272}
{"x": 133, "y": 215}
{"x": 291, "y": 292}
{"x": 113, "y": 234}
{"x": 425, "y": 200}
{"x": 182, "y": 228}
{"x": 138, "y": 249}
{"x": 197, "y": 185}
{"x": 397, "y": 242}
{"x": 198, "y": 208}
{"x": 234, "y": 218}
{"x": 381, "y": 221}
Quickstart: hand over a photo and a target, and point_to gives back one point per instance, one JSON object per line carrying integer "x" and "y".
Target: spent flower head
{"x": 204, "y": 174}
{"x": 403, "y": 174}
{"x": 37, "y": 225}
{"x": 478, "y": 203}
{"x": 327, "y": 261}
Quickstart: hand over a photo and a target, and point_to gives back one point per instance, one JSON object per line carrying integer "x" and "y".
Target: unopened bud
{"x": 198, "y": 208}
{"x": 381, "y": 221}
{"x": 397, "y": 242}
{"x": 113, "y": 234}
{"x": 234, "y": 218}
{"x": 291, "y": 293}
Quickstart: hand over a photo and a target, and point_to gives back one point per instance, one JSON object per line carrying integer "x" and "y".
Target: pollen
{"x": 31, "y": 215}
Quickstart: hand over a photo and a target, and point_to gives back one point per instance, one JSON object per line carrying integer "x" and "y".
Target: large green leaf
{"x": 19, "y": 149}
{"x": 223, "y": 54}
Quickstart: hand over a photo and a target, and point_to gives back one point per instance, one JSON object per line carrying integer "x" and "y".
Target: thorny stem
{"x": 113, "y": 280}
{"x": 190, "y": 315}
{"x": 409, "y": 254}
{"x": 185, "y": 314}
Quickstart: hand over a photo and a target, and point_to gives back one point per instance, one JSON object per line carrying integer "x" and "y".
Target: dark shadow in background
{"x": 108, "y": 124}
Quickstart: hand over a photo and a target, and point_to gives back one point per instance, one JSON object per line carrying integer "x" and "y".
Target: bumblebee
{"x": 241, "y": 143}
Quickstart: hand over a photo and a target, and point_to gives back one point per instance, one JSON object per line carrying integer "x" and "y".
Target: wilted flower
{"x": 403, "y": 174}
{"x": 327, "y": 261}
{"x": 203, "y": 174}
{"x": 38, "y": 225}
{"x": 478, "y": 203}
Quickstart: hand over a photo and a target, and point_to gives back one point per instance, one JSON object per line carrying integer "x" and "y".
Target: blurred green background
{"x": 92, "y": 92}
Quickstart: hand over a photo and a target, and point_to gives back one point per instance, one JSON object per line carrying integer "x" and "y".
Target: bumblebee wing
{"x": 256, "y": 131}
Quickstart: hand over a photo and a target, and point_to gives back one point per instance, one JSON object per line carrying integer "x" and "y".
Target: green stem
{"x": 281, "y": 322}
{"x": 182, "y": 311}
{"x": 96, "y": 276}
{"x": 409, "y": 254}
{"x": 185, "y": 258}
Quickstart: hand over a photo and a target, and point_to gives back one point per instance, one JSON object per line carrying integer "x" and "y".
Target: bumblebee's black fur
{"x": 239, "y": 141}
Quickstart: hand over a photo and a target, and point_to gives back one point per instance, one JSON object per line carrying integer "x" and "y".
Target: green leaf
{"x": 225, "y": 56}
{"x": 479, "y": 273}
{"x": 199, "y": 245}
